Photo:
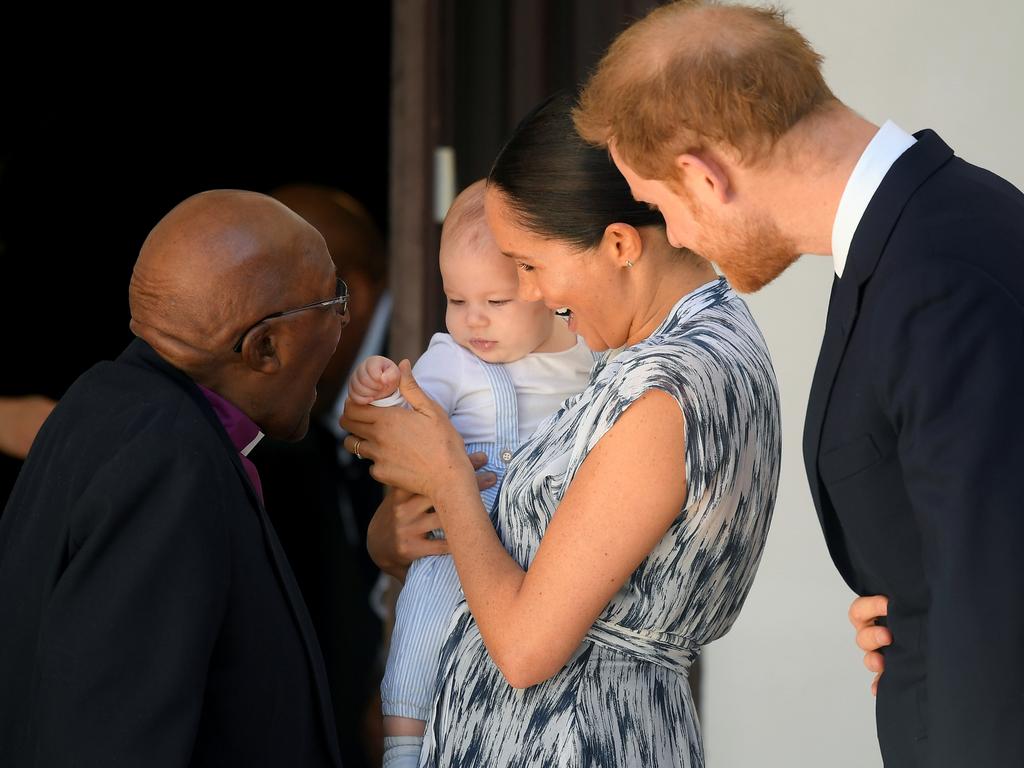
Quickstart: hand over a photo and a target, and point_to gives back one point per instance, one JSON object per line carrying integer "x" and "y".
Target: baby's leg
{"x": 425, "y": 607}
{"x": 402, "y": 751}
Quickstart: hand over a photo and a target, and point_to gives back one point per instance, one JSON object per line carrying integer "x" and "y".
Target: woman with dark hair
{"x": 629, "y": 527}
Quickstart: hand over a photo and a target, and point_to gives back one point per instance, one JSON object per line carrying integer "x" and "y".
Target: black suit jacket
{"x": 320, "y": 509}
{"x": 914, "y": 446}
{"x": 149, "y": 616}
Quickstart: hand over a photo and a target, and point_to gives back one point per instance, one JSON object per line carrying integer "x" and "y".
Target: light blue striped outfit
{"x": 432, "y": 589}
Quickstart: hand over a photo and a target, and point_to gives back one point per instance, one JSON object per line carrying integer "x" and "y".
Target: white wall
{"x": 786, "y": 687}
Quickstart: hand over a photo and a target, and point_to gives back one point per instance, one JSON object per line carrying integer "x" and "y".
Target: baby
{"x": 503, "y": 367}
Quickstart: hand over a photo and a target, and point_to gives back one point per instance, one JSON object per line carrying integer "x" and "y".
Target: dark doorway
{"x": 89, "y": 164}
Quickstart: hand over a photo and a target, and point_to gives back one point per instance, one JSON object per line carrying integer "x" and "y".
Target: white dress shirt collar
{"x": 885, "y": 148}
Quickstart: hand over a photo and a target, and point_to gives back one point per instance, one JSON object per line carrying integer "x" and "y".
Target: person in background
{"x": 20, "y": 420}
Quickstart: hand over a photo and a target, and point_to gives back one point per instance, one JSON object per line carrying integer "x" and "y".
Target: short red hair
{"x": 696, "y": 73}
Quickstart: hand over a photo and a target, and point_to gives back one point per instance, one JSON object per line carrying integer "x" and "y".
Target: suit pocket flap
{"x": 848, "y": 459}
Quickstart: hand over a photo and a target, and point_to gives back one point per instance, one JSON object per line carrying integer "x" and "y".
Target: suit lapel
{"x": 141, "y": 350}
{"x": 907, "y": 174}
{"x": 301, "y": 615}
{"x": 842, "y": 311}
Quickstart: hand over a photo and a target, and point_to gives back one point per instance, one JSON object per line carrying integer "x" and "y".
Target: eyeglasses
{"x": 340, "y": 300}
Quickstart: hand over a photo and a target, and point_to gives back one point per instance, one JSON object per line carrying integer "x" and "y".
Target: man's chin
{"x": 743, "y": 283}
{"x": 301, "y": 429}
{"x": 753, "y": 280}
{"x": 293, "y": 435}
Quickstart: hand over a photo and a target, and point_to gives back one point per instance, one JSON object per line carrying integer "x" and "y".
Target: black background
{"x": 92, "y": 158}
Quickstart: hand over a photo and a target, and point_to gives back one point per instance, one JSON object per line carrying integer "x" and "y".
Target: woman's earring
{"x": 629, "y": 263}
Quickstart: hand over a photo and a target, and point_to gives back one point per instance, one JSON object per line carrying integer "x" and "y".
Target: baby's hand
{"x": 373, "y": 379}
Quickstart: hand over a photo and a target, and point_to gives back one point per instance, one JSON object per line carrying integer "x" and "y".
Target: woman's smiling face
{"x": 586, "y": 283}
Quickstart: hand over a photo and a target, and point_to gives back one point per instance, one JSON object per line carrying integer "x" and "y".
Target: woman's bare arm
{"x": 621, "y": 502}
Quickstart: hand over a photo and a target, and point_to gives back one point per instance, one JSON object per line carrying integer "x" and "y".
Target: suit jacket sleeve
{"x": 128, "y": 633}
{"x": 951, "y": 378}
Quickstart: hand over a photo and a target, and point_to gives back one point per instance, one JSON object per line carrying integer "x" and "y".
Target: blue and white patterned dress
{"x": 623, "y": 698}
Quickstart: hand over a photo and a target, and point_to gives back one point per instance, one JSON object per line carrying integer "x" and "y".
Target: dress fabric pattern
{"x": 623, "y": 698}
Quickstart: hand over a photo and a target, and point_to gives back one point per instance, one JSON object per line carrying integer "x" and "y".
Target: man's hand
{"x": 398, "y": 531}
{"x": 864, "y": 612}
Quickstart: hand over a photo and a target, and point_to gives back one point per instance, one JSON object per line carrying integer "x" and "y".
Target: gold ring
{"x": 355, "y": 447}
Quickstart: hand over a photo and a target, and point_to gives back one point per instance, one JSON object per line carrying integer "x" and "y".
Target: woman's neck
{"x": 668, "y": 280}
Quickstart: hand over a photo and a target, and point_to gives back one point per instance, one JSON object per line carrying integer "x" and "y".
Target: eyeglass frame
{"x": 341, "y": 298}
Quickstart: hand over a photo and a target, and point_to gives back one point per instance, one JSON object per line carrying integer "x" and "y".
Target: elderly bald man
{"x": 149, "y": 615}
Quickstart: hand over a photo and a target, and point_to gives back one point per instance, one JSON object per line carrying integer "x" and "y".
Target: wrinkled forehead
{"x": 290, "y": 270}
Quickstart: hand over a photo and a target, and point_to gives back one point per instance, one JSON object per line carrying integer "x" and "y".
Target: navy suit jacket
{"x": 148, "y": 614}
{"x": 914, "y": 448}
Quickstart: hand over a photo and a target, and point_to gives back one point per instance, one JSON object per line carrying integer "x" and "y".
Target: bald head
{"x": 697, "y": 73}
{"x": 213, "y": 266}
{"x": 465, "y": 227}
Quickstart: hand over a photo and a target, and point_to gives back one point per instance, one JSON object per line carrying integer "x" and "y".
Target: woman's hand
{"x": 414, "y": 448}
{"x": 398, "y": 531}
{"x": 864, "y": 612}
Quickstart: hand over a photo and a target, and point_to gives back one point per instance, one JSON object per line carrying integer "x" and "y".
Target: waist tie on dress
{"x": 662, "y": 648}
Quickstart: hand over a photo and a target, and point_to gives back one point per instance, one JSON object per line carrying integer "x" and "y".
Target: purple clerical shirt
{"x": 242, "y": 431}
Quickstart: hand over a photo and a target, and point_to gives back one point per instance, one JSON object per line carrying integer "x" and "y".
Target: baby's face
{"x": 484, "y": 315}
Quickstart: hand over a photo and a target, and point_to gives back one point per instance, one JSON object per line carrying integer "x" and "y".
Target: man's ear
{"x": 705, "y": 177}
{"x": 260, "y": 349}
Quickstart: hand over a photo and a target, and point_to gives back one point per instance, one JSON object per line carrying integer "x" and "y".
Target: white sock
{"x": 402, "y": 751}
